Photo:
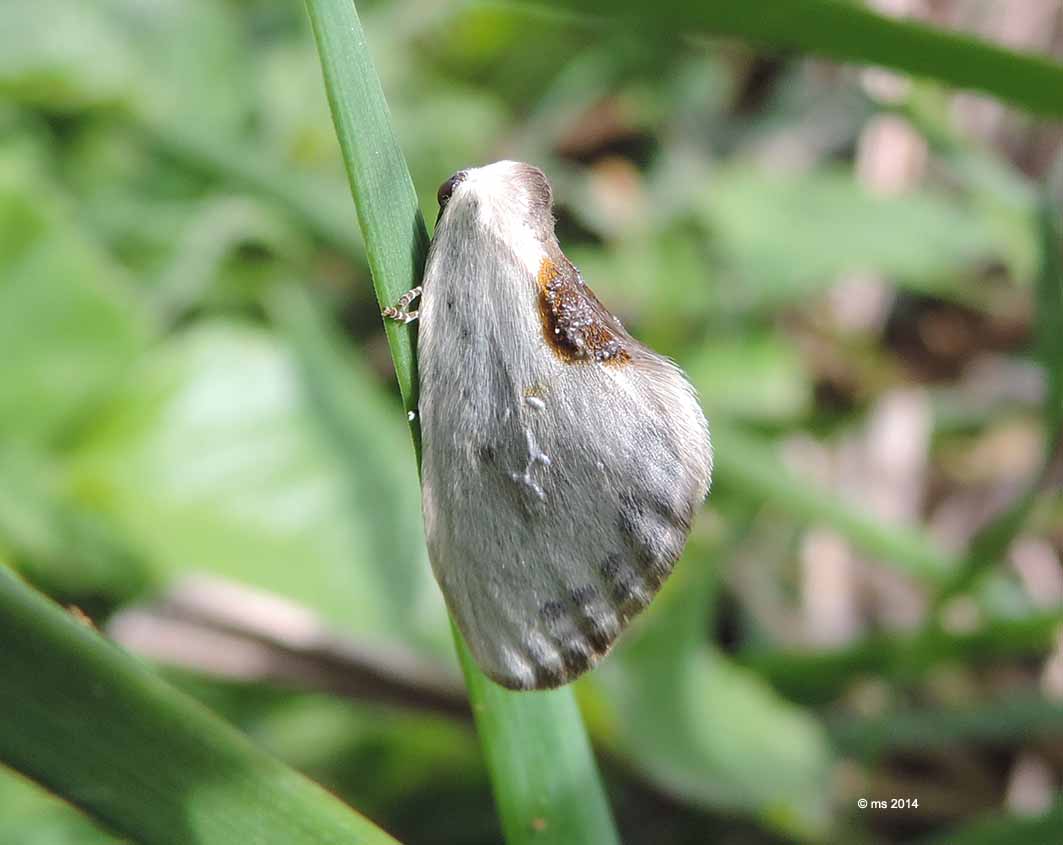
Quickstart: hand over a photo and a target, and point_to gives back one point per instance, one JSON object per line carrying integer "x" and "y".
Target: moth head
{"x": 499, "y": 195}
{"x": 447, "y": 188}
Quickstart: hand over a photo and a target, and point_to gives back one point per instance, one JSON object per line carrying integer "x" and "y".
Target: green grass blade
{"x": 104, "y": 732}
{"x": 848, "y": 31}
{"x": 1015, "y": 717}
{"x": 555, "y": 796}
{"x": 545, "y": 780}
{"x": 817, "y": 676}
{"x": 388, "y": 212}
{"x": 1049, "y": 310}
{"x": 989, "y": 545}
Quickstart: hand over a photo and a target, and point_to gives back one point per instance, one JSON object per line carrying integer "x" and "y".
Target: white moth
{"x": 562, "y": 460}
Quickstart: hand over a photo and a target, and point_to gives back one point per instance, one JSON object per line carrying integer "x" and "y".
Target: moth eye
{"x": 447, "y": 188}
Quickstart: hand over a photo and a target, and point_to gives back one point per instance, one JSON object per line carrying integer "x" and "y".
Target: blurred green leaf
{"x": 851, "y": 32}
{"x": 407, "y": 750}
{"x": 745, "y": 465}
{"x": 200, "y": 261}
{"x": 1048, "y": 329}
{"x": 362, "y": 430}
{"x": 996, "y": 190}
{"x": 783, "y": 236}
{"x": 108, "y": 735}
{"x": 177, "y": 57}
{"x": 62, "y": 55}
{"x": 62, "y": 548}
{"x": 319, "y": 204}
{"x": 429, "y": 780}
{"x": 992, "y": 540}
{"x": 817, "y": 676}
{"x": 1015, "y": 717}
{"x": 707, "y": 730}
{"x": 183, "y": 75}
{"x": 212, "y": 458}
{"x": 31, "y": 816}
{"x": 69, "y": 322}
{"x": 757, "y": 377}
{"x": 1006, "y": 829}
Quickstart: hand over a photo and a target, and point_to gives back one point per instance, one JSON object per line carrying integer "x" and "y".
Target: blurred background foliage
{"x": 851, "y": 265}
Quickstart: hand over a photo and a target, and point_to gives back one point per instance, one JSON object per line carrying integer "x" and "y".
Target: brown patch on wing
{"x": 575, "y": 324}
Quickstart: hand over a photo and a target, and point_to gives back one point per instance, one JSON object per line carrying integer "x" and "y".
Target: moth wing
{"x": 557, "y": 505}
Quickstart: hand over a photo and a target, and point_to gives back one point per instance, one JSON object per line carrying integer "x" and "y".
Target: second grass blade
{"x": 104, "y": 732}
{"x": 846, "y": 31}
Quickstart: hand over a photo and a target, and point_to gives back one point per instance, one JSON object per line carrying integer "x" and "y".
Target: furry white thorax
{"x": 500, "y": 211}
{"x": 557, "y": 494}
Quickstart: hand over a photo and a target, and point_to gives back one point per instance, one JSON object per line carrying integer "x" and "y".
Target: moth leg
{"x": 401, "y": 311}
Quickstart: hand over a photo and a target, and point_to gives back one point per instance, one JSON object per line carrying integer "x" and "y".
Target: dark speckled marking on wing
{"x": 576, "y": 660}
{"x": 547, "y": 677}
{"x": 597, "y": 637}
{"x": 654, "y": 532}
{"x": 552, "y": 610}
{"x": 630, "y": 597}
{"x": 610, "y": 567}
{"x": 582, "y": 624}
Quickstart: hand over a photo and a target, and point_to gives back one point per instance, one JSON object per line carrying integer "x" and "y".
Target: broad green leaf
{"x": 185, "y": 79}
{"x": 782, "y": 236}
{"x": 62, "y": 548}
{"x": 213, "y": 457}
{"x": 362, "y": 433}
{"x": 63, "y": 55}
{"x": 317, "y": 203}
{"x": 30, "y": 816}
{"x": 69, "y": 322}
{"x": 758, "y": 377}
{"x": 851, "y": 32}
{"x": 107, "y": 734}
{"x": 706, "y": 730}
{"x": 428, "y": 778}
{"x": 184, "y": 58}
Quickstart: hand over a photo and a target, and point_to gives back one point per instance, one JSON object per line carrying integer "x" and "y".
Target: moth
{"x": 562, "y": 460}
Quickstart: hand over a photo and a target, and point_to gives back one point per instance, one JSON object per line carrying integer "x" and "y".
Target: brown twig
{"x": 231, "y": 631}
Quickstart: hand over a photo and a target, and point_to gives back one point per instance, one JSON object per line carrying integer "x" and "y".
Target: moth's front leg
{"x": 401, "y": 311}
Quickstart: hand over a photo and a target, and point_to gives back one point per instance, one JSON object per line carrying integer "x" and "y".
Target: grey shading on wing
{"x": 562, "y": 460}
